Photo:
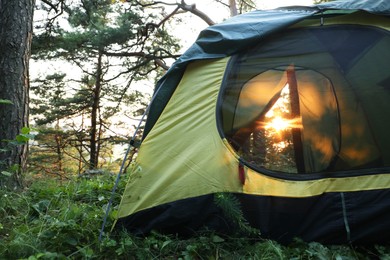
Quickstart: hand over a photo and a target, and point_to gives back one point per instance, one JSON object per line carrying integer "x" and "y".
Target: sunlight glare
{"x": 278, "y": 124}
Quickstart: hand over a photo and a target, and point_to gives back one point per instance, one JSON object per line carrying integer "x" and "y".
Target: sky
{"x": 189, "y": 27}
{"x": 213, "y": 9}
{"x": 269, "y": 4}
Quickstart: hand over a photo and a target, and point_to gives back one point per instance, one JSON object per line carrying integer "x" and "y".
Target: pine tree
{"x": 113, "y": 44}
{"x": 15, "y": 41}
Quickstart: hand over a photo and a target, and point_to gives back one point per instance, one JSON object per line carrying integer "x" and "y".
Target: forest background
{"x": 93, "y": 69}
{"x": 75, "y": 79}
{"x": 87, "y": 96}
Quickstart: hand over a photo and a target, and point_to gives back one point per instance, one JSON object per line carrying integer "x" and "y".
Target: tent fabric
{"x": 187, "y": 155}
{"x": 226, "y": 38}
{"x": 187, "y": 162}
{"x": 329, "y": 102}
{"x": 316, "y": 218}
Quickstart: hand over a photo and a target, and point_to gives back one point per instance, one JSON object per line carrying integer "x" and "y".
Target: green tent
{"x": 286, "y": 110}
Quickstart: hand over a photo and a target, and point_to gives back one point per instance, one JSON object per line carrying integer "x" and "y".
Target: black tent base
{"x": 360, "y": 218}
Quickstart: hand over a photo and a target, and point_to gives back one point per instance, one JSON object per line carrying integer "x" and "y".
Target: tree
{"x": 51, "y": 152}
{"x": 240, "y": 6}
{"x": 113, "y": 44}
{"x": 15, "y": 42}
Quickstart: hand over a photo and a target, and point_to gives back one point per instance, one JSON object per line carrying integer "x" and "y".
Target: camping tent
{"x": 288, "y": 111}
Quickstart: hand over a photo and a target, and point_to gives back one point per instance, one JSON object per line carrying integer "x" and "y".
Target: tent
{"x": 286, "y": 110}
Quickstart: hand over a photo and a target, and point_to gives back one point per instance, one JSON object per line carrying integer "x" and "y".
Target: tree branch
{"x": 161, "y": 64}
{"x": 51, "y": 5}
{"x": 192, "y": 9}
{"x": 188, "y": 8}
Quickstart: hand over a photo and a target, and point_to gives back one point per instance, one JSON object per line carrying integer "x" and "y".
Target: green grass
{"x": 62, "y": 220}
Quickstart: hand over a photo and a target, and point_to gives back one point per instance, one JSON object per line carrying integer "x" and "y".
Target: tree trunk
{"x": 15, "y": 47}
{"x": 59, "y": 146}
{"x": 233, "y": 8}
{"x": 94, "y": 156}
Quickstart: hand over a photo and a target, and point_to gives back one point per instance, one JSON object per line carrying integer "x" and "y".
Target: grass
{"x": 62, "y": 220}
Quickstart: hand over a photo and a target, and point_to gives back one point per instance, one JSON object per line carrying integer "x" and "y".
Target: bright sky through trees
{"x": 190, "y": 26}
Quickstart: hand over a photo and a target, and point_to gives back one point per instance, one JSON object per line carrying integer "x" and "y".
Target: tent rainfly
{"x": 287, "y": 111}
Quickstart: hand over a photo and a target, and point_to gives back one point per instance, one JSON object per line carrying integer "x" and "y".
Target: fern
{"x": 231, "y": 208}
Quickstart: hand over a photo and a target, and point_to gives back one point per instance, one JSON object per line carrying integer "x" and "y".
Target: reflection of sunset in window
{"x": 277, "y": 118}
{"x": 278, "y": 124}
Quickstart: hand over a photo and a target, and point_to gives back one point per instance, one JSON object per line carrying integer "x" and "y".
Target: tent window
{"x": 303, "y": 101}
{"x": 270, "y": 114}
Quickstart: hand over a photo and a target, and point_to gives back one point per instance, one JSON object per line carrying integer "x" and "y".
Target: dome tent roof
{"x": 224, "y": 39}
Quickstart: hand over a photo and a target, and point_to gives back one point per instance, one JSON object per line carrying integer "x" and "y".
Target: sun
{"x": 278, "y": 124}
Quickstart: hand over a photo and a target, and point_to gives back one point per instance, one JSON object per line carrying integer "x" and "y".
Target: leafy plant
{"x": 6, "y": 102}
{"x": 25, "y": 135}
{"x": 61, "y": 220}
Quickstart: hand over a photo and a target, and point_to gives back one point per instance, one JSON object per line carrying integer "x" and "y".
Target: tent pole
{"x": 295, "y": 113}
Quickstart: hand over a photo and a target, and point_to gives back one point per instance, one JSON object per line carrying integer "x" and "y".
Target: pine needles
{"x": 231, "y": 208}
